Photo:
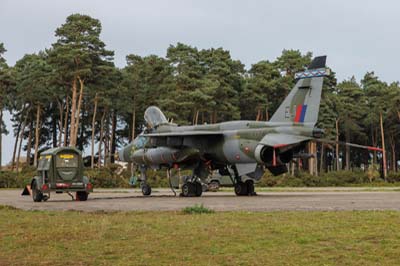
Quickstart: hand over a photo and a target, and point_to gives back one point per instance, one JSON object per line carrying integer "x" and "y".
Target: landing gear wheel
{"x": 240, "y": 189}
{"x": 81, "y": 196}
{"x": 250, "y": 188}
{"x": 187, "y": 189}
{"x": 198, "y": 189}
{"x": 37, "y": 195}
{"x": 146, "y": 189}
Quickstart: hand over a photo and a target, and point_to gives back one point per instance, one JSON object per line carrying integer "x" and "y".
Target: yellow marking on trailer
{"x": 66, "y": 156}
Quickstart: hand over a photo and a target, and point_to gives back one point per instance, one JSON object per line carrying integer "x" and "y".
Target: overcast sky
{"x": 358, "y": 36}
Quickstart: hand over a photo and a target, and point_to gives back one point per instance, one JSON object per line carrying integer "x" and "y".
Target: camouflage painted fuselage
{"x": 246, "y": 145}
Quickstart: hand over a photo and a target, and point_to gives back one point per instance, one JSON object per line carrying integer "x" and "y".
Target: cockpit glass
{"x": 140, "y": 142}
{"x": 154, "y": 116}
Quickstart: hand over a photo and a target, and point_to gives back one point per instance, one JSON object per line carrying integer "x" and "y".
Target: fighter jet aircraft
{"x": 235, "y": 148}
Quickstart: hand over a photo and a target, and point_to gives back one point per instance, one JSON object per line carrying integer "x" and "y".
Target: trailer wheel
{"x": 37, "y": 195}
{"x": 146, "y": 189}
{"x": 82, "y": 195}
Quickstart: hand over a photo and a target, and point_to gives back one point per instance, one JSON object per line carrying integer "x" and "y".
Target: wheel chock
{"x": 27, "y": 191}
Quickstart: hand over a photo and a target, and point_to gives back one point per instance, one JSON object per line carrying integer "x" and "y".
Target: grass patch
{"x": 224, "y": 238}
{"x": 197, "y": 209}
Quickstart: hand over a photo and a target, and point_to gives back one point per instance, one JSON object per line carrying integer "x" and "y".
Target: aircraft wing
{"x": 279, "y": 140}
{"x": 184, "y": 134}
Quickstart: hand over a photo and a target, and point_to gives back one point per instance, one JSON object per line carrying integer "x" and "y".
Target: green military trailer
{"x": 60, "y": 170}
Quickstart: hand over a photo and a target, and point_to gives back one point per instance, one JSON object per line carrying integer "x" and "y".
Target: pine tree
{"x": 76, "y": 55}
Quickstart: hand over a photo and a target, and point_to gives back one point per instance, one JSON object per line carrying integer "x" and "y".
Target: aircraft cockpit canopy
{"x": 154, "y": 117}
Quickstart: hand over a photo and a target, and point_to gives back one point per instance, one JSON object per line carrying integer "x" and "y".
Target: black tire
{"x": 82, "y": 195}
{"x": 250, "y": 187}
{"x": 185, "y": 190}
{"x": 37, "y": 195}
{"x": 240, "y": 189}
{"x": 198, "y": 189}
{"x": 146, "y": 190}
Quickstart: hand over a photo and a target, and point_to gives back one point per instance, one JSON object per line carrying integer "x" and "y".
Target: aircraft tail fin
{"x": 301, "y": 106}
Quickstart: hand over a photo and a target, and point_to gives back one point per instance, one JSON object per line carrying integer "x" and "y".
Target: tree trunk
{"x": 374, "y": 143}
{"x": 312, "y": 167}
{"x": 130, "y": 166}
{"x": 65, "y": 130}
{"x": 337, "y": 144}
{"x": 393, "y": 150}
{"x": 133, "y": 121}
{"x": 78, "y": 112}
{"x": 93, "y": 130}
{"x": 107, "y": 142}
{"x": 72, "y": 139}
{"x": 196, "y": 120}
{"x": 60, "y": 124}
{"x": 321, "y": 162}
{"x": 258, "y": 115}
{"x": 21, "y": 137}
{"x": 101, "y": 139}
{"x": 29, "y": 144}
{"x": 82, "y": 134}
{"x": 113, "y": 137}
{"x": 37, "y": 132}
{"x": 15, "y": 146}
{"x": 383, "y": 147}
{"x": 347, "y": 150}
{"x": 54, "y": 131}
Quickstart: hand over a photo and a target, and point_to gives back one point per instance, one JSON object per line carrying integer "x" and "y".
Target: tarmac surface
{"x": 164, "y": 200}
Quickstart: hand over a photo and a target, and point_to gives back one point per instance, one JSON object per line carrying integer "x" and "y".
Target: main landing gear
{"x": 245, "y": 188}
{"x": 192, "y": 189}
{"x": 241, "y": 188}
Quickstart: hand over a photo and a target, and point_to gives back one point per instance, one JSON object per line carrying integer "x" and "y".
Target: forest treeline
{"x": 72, "y": 94}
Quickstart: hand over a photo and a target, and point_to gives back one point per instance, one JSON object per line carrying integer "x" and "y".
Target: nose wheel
{"x": 146, "y": 189}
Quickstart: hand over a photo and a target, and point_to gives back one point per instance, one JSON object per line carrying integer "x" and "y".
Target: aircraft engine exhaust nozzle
{"x": 265, "y": 155}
